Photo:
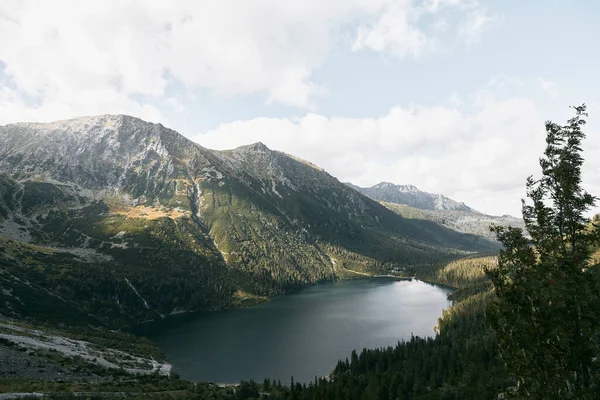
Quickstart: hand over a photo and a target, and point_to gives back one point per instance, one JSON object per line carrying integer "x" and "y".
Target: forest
{"x": 460, "y": 362}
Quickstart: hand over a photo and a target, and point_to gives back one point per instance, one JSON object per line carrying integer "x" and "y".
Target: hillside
{"x": 118, "y": 220}
{"x": 412, "y": 203}
{"x": 471, "y": 222}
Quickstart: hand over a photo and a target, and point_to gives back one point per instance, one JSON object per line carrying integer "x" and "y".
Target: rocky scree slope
{"x": 114, "y": 220}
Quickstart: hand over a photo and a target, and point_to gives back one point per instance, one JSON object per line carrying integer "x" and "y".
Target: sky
{"x": 448, "y": 95}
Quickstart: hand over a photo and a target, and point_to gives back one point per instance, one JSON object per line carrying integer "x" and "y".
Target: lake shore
{"x": 306, "y": 331}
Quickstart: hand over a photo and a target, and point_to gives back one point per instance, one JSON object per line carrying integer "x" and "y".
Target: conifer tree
{"x": 546, "y": 315}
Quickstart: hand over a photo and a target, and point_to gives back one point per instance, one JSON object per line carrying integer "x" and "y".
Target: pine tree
{"x": 546, "y": 315}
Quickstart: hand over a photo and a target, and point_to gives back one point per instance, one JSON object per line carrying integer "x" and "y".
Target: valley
{"x": 318, "y": 200}
{"x": 136, "y": 263}
{"x": 302, "y": 334}
{"x": 122, "y": 221}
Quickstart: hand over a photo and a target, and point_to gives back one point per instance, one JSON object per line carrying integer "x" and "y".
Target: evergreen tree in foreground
{"x": 547, "y": 314}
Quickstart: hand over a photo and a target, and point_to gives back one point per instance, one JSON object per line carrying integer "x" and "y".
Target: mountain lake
{"x": 302, "y": 334}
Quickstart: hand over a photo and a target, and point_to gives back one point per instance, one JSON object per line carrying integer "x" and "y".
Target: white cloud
{"x": 99, "y": 101}
{"x": 550, "y": 87}
{"x": 54, "y": 50}
{"x": 395, "y": 31}
{"x": 58, "y": 52}
{"x": 481, "y": 157}
{"x": 441, "y": 25}
{"x": 436, "y": 5}
{"x": 13, "y": 108}
{"x": 499, "y": 82}
{"x": 398, "y": 30}
{"x": 455, "y": 100}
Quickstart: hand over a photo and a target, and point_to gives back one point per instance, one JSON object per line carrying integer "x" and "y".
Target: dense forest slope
{"x": 119, "y": 220}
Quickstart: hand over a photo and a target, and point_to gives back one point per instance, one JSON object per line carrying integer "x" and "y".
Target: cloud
{"x": 455, "y": 100}
{"x": 14, "y": 108}
{"x": 395, "y": 32}
{"x": 398, "y": 29}
{"x": 481, "y": 157}
{"x": 549, "y": 87}
{"x": 477, "y": 23}
{"x": 55, "y": 53}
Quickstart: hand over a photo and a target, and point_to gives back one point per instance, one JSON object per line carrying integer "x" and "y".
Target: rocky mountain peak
{"x": 412, "y": 196}
{"x": 94, "y": 152}
{"x": 394, "y": 187}
{"x": 258, "y": 147}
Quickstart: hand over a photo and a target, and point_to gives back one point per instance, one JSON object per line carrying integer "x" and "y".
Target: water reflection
{"x": 302, "y": 334}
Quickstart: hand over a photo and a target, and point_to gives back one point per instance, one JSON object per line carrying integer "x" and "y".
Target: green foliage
{"x": 547, "y": 314}
{"x": 9, "y": 193}
{"x": 234, "y": 227}
{"x": 114, "y": 384}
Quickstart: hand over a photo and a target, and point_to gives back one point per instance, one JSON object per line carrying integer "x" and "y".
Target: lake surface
{"x": 302, "y": 334}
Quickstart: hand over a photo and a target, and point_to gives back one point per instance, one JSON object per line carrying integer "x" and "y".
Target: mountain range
{"x": 114, "y": 220}
{"x": 411, "y": 196}
{"x": 410, "y": 202}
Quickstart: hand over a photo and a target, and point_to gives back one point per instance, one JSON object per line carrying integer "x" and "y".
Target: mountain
{"x": 412, "y": 203}
{"x": 471, "y": 222}
{"x": 115, "y": 220}
{"x": 410, "y": 195}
